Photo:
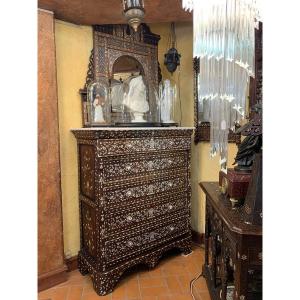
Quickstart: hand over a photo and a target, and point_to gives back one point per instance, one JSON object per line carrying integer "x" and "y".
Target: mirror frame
{"x": 110, "y": 42}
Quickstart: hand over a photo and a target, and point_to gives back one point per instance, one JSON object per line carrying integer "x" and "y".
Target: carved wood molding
{"x": 256, "y": 92}
{"x": 202, "y": 134}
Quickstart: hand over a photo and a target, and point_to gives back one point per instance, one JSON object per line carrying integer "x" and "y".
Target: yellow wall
{"x": 73, "y": 46}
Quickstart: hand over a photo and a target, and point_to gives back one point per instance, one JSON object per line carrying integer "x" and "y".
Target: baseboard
{"x": 197, "y": 237}
{"x": 71, "y": 263}
{"x": 50, "y": 279}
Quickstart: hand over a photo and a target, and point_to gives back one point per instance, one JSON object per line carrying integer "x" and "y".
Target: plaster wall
{"x": 73, "y": 46}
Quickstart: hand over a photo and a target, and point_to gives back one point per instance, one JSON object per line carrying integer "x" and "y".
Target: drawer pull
{"x": 152, "y": 144}
{"x": 150, "y": 164}
{"x": 151, "y": 211}
{"x": 129, "y": 218}
{"x": 151, "y": 189}
{"x": 130, "y": 243}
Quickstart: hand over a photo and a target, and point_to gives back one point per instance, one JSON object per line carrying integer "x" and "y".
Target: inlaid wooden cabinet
{"x": 134, "y": 192}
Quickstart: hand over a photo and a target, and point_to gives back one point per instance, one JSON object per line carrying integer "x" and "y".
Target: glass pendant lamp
{"x": 134, "y": 12}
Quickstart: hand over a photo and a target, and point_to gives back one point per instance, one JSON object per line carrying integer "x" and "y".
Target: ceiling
{"x": 89, "y": 12}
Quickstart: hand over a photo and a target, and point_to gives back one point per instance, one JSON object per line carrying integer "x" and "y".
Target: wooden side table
{"x": 233, "y": 250}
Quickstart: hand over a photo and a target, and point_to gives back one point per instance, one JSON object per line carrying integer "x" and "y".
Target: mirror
{"x": 124, "y": 69}
{"x": 126, "y": 66}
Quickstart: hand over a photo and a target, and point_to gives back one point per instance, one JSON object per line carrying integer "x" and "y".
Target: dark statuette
{"x": 252, "y": 143}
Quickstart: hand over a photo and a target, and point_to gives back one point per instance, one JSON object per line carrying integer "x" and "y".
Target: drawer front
{"x": 150, "y": 210}
{"x": 137, "y": 145}
{"x": 120, "y": 248}
{"x": 126, "y": 193}
{"x": 124, "y": 167}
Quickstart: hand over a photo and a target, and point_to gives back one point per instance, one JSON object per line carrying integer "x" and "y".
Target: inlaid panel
{"x": 87, "y": 170}
{"x": 129, "y": 146}
{"x": 128, "y": 245}
{"x": 151, "y": 210}
{"x": 123, "y": 167}
{"x": 121, "y": 194}
{"x": 88, "y": 220}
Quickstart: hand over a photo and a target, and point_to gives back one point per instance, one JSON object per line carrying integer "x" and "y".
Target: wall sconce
{"x": 134, "y": 12}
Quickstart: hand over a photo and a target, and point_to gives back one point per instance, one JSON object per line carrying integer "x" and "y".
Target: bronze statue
{"x": 252, "y": 143}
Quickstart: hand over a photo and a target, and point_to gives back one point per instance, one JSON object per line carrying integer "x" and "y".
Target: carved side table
{"x": 233, "y": 250}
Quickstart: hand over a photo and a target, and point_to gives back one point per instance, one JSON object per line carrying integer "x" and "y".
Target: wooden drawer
{"x": 136, "y": 145}
{"x": 126, "y": 166}
{"x": 152, "y": 209}
{"x": 120, "y": 248}
{"x": 122, "y": 194}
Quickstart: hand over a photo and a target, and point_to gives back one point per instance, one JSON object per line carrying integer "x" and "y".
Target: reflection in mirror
{"x": 134, "y": 98}
{"x": 124, "y": 69}
{"x": 126, "y": 66}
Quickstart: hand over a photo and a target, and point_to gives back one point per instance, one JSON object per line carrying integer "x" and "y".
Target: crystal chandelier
{"x": 134, "y": 12}
{"x": 224, "y": 43}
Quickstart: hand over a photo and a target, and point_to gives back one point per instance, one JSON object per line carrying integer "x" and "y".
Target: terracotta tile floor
{"x": 169, "y": 280}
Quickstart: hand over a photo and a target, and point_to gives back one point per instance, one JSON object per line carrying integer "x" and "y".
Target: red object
{"x": 237, "y": 183}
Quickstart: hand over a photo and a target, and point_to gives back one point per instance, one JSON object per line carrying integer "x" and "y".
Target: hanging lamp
{"x": 172, "y": 57}
{"x": 224, "y": 43}
{"x": 134, "y": 12}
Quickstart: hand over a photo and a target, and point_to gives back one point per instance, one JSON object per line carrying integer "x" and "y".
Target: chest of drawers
{"x": 134, "y": 194}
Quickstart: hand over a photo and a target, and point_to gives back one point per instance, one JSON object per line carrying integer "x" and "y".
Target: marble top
{"x": 129, "y": 128}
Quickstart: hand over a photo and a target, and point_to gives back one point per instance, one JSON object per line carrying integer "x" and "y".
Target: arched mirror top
{"x": 126, "y": 66}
